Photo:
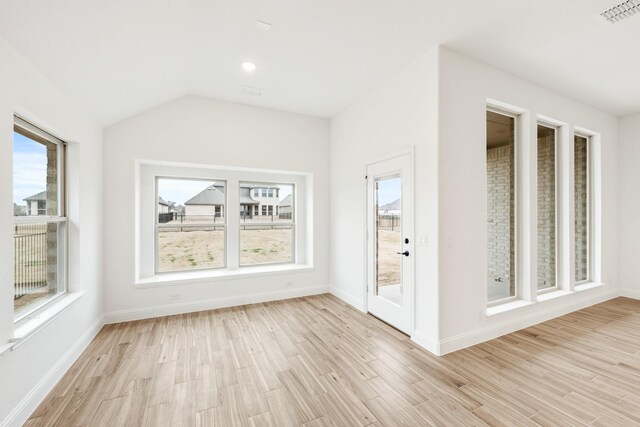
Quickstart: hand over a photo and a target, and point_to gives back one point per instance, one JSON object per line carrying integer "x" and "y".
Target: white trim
{"x": 195, "y": 277}
{"x": 508, "y": 306}
{"x": 30, "y": 402}
{"x": 146, "y": 206}
{"x": 211, "y": 304}
{"x": 630, "y": 293}
{"x": 353, "y": 301}
{"x": 427, "y": 342}
{"x": 490, "y": 332}
{"x": 408, "y": 230}
{"x": 38, "y": 319}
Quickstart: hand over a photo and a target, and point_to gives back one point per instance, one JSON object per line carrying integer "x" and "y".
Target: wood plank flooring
{"x": 315, "y": 361}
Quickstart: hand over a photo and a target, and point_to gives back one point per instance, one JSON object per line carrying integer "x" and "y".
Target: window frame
{"x": 589, "y": 203}
{"x": 557, "y": 212}
{"x": 293, "y": 226}
{"x": 517, "y": 126}
{"x": 223, "y": 224}
{"x": 28, "y": 130}
{"x": 146, "y": 172}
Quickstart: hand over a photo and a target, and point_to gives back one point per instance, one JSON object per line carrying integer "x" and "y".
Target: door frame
{"x": 409, "y": 150}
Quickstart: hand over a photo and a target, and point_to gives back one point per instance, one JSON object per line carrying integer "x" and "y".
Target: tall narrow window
{"x": 190, "y": 234}
{"x": 39, "y": 225}
{"x": 581, "y": 201}
{"x": 268, "y": 239}
{"x": 546, "y": 207}
{"x": 501, "y": 197}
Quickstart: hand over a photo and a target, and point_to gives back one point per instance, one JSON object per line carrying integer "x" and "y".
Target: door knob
{"x": 405, "y": 253}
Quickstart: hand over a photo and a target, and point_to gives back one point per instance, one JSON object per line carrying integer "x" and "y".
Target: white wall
{"x": 40, "y": 360}
{"x": 438, "y": 104}
{"x": 465, "y": 85}
{"x": 629, "y": 177}
{"x": 401, "y": 112}
{"x": 205, "y": 131}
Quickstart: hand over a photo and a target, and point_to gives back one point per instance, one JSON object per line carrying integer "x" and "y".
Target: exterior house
{"x": 391, "y": 209}
{"x": 19, "y": 210}
{"x": 255, "y": 200}
{"x": 163, "y": 206}
{"x": 285, "y": 207}
{"x": 36, "y": 204}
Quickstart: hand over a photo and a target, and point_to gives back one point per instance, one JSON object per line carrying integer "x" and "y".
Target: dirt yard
{"x": 389, "y": 262}
{"x": 183, "y": 250}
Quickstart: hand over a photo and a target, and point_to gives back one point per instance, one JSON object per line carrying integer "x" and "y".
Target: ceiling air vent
{"x": 622, "y": 11}
{"x": 250, "y": 91}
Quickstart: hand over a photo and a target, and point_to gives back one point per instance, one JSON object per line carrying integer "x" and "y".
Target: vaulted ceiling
{"x": 121, "y": 57}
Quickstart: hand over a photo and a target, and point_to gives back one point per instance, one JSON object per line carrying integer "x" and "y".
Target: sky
{"x": 29, "y": 168}
{"x": 388, "y": 190}
{"x": 181, "y": 190}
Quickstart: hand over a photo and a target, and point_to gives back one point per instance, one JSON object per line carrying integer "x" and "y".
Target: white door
{"x": 390, "y": 266}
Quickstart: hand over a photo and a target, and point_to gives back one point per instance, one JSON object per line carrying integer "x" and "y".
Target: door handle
{"x": 405, "y": 253}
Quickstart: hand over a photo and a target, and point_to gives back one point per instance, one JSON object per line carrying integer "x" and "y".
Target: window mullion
{"x": 233, "y": 224}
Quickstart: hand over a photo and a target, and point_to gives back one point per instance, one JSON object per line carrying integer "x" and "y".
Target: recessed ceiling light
{"x": 261, "y": 25}
{"x": 248, "y": 66}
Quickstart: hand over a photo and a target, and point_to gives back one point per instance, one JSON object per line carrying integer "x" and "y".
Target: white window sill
{"x": 547, "y": 296}
{"x": 509, "y": 306}
{"x": 589, "y": 285}
{"x": 196, "y": 277}
{"x": 33, "y": 323}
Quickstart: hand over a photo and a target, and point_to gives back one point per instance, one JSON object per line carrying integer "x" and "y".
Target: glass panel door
{"x": 390, "y": 266}
{"x": 388, "y": 238}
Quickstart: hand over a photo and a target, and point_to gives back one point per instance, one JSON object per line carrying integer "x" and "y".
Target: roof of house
{"x": 214, "y": 195}
{"x": 37, "y": 197}
{"x": 393, "y": 206}
{"x": 286, "y": 201}
{"x": 163, "y": 202}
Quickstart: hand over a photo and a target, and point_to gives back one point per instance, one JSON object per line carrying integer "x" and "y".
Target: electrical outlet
{"x": 481, "y": 314}
{"x": 175, "y": 297}
{"x": 288, "y": 284}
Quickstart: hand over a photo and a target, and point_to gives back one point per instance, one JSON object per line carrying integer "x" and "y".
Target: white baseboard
{"x": 348, "y": 298}
{"x": 211, "y": 304}
{"x": 630, "y": 293}
{"x": 427, "y": 342}
{"x": 30, "y": 402}
{"x": 481, "y": 335}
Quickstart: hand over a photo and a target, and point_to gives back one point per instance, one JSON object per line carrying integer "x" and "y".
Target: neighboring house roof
{"x": 214, "y": 195}
{"x": 37, "y": 197}
{"x": 163, "y": 202}
{"x": 286, "y": 201}
{"x": 245, "y": 196}
{"x": 393, "y": 206}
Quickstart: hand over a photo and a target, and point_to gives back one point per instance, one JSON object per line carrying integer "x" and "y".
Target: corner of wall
{"x": 357, "y": 303}
{"x": 30, "y": 402}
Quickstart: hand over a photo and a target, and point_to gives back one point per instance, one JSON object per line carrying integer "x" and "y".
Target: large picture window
{"x": 39, "y": 224}
{"x": 547, "y": 207}
{"x": 190, "y": 224}
{"x": 195, "y": 222}
{"x": 268, "y": 238}
{"x": 582, "y": 185}
{"x": 501, "y": 203}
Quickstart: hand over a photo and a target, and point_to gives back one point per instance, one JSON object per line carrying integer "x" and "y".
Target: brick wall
{"x": 500, "y": 215}
{"x": 581, "y": 206}
{"x": 52, "y": 209}
{"x": 546, "y": 212}
{"x": 500, "y": 221}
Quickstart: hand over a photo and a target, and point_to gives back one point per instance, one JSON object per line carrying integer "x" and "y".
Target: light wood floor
{"x": 315, "y": 361}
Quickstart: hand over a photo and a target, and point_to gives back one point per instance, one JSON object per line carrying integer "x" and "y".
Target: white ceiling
{"x": 121, "y": 57}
